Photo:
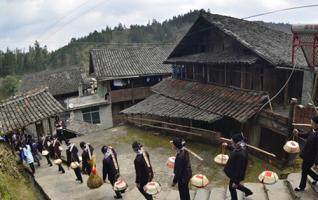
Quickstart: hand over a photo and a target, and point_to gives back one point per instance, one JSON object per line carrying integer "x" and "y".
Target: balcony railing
{"x": 130, "y": 94}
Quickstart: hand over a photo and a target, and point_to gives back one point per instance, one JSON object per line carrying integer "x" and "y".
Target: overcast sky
{"x": 55, "y": 22}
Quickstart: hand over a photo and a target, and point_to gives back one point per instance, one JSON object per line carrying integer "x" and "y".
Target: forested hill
{"x": 37, "y": 58}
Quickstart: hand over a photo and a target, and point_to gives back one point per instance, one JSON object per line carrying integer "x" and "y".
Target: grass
{"x": 208, "y": 152}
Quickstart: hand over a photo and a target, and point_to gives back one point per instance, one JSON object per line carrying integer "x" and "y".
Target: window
{"x": 198, "y": 73}
{"x": 216, "y": 74}
{"x": 189, "y": 72}
{"x": 91, "y": 115}
{"x": 233, "y": 76}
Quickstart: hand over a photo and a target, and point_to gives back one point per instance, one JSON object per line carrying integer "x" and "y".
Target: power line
{"x": 281, "y": 10}
{"x": 63, "y": 17}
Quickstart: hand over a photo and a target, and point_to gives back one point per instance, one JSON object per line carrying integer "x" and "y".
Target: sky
{"x": 54, "y": 22}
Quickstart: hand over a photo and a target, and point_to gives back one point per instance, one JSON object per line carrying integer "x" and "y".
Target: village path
{"x": 63, "y": 186}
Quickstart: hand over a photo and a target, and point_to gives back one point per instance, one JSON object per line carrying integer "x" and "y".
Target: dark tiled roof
{"x": 272, "y": 45}
{"x": 167, "y": 107}
{"x": 215, "y": 58}
{"x": 130, "y": 61}
{"x": 20, "y": 111}
{"x": 60, "y": 81}
{"x": 224, "y": 101}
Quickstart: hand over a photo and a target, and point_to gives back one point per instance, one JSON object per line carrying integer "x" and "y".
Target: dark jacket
{"x": 309, "y": 152}
{"x": 109, "y": 167}
{"x": 55, "y": 145}
{"x": 235, "y": 167}
{"x": 182, "y": 167}
{"x": 72, "y": 155}
{"x": 85, "y": 156}
{"x": 144, "y": 174}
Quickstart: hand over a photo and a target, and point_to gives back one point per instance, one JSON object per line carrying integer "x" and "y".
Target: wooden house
{"x": 34, "y": 111}
{"x": 125, "y": 73}
{"x": 62, "y": 83}
{"x": 225, "y": 73}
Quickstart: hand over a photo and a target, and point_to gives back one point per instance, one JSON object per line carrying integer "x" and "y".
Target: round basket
{"x": 268, "y": 177}
{"x": 170, "y": 162}
{"x": 57, "y": 161}
{"x": 221, "y": 159}
{"x": 291, "y": 147}
{"x": 152, "y": 188}
{"x": 74, "y": 165}
{"x": 45, "y": 153}
{"x": 199, "y": 181}
{"x": 120, "y": 186}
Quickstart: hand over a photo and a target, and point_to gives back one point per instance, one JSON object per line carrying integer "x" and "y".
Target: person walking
{"x": 72, "y": 156}
{"x": 309, "y": 154}
{"x": 143, "y": 168}
{"x": 45, "y": 145}
{"x": 236, "y": 166}
{"x": 110, "y": 167}
{"x": 28, "y": 157}
{"x": 87, "y": 156}
{"x": 182, "y": 168}
{"x": 57, "y": 153}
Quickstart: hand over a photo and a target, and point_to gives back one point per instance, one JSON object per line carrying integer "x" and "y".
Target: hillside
{"x": 77, "y": 51}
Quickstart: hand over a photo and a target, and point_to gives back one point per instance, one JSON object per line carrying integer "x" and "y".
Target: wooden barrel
{"x": 170, "y": 162}
{"x": 199, "y": 181}
{"x": 291, "y": 147}
{"x": 120, "y": 186}
{"x": 221, "y": 159}
{"x": 57, "y": 161}
{"x": 268, "y": 177}
{"x": 152, "y": 188}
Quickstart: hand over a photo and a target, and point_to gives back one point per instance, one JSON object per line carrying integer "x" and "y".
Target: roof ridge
{"x": 27, "y": 94}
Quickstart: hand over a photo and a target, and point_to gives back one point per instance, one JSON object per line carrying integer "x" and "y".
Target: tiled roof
{"x": 59, "y": 81}
{"x": 215, "y": 58}
{"x": 167, "y": 107}
{"x": 223, "y": 101}
{"x": 20, "y": 111}
{"x": 130, "y": 61}
{"x": 272, "y": 45}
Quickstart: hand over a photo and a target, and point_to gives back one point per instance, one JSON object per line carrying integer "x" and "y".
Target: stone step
{"x": 279, "y": 190}
{"x": 228, "y": 194}
{"x": 258, "y": 190}
{"x": 161, "y": 195}
{"x": 293, "y": 180}
{"x": 192, "y": 194}
{"x": 217, "y": 193}
{"x": 133, "y": 194}
{"x": 310, "y": 180}
{"x": 202, "y": 194}
{"x": 172, "y": 195}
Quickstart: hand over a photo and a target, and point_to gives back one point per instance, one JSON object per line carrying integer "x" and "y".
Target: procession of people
{"x": 31, "y": 151}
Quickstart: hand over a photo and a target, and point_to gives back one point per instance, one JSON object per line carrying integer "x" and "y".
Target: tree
{"x": 9, "y": 86}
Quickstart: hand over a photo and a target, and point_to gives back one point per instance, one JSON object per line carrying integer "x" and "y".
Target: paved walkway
{"x": 63, "y": 186}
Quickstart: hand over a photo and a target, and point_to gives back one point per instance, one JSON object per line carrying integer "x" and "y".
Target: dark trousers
{"x": 32, "y": 168}
{"x": 306, "y": 170}
{"x": 142, "y": 191}
{"x": 184, "y": 190}
{"x": 61, "y": 168}
{"x": 239, "y": 187}
{"x": 78, "y": 174}
{"x": 86, "y": 168}
{"x": 48, "y": 160}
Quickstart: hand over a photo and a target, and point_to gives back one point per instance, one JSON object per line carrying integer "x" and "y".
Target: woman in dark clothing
{"x": 110, "y": 167}
{"x": 57, "y": 153}
{"x": 236, "y": 166}
{"x": 87, "y": 156}
{"x": 72, "y": 156}
{"x": 182, "y": 169}
{"x": 309, "y": 154}
{"x": 144, "y": 173}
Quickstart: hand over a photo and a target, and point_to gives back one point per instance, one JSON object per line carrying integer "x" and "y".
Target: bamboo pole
{"x": 194, "y": 154}
{"x": 252, "y": 147}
